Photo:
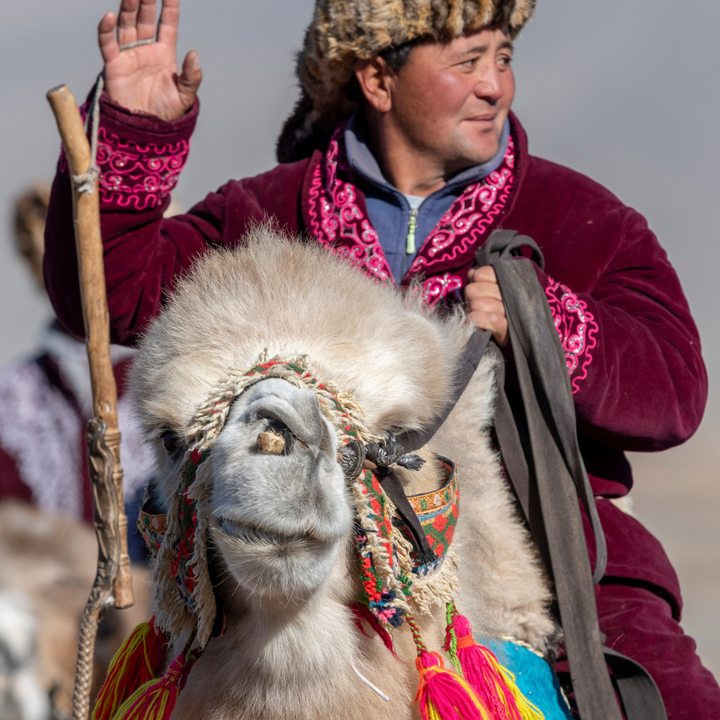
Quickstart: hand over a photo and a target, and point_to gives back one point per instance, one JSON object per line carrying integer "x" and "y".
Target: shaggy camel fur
{"x": 283, "y": 524}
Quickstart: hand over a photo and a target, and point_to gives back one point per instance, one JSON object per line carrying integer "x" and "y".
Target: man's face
{"x": 450, "y": 100}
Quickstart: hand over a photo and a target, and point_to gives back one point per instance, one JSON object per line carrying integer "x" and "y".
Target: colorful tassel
{"x": 156, "y": 699}
{"x": 363, "y": 613}
{"x": 493, "y": 684}
{"x": 442, "y": 694}
{"x": 137, "y": 662}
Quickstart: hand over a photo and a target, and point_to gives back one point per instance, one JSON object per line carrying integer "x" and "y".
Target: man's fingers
{"x": 169, "y": 19}
{"x": 492, "y": 321}
{"x": 109, "y": 47}
{"x": 487, "y": 305}
{"x": 189, "y": 80}
{"x": 486, "y": 272}
{"x": 127, "y": 31}
{"x": 477, "y": 289}
{"x": 482, "y": 283}
{"x": 146, "y": 19}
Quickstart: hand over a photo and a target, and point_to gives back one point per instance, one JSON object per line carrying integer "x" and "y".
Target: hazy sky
{"x": 625, "y": 91}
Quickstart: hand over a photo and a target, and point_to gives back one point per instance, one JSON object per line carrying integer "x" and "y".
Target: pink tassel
{"x": 443, "y": 695}
{"x": 493, "y": 684}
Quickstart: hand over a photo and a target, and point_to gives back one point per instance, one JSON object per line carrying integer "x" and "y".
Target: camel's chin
{"x": 269, "y": 564}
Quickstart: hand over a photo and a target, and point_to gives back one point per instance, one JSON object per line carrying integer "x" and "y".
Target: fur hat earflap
{"x": 344, "y": 31}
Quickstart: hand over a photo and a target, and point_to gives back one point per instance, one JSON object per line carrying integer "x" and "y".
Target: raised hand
{"x": 146, "y": 77}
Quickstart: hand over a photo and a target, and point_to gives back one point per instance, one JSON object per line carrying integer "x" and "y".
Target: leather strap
{"x": 640, "y": 695}
{"x": 465, "y": 367}
{"x": 549, "y": 477}
{"x": 391, "y": 484}
{"x": 540, "y": 345}
{"x": 540, "y": 383}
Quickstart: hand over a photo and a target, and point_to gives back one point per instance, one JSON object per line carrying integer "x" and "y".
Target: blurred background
{"x": 625, "y": 91}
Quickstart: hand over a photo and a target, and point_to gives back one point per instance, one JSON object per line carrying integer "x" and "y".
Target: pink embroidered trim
{"x": 469, "y": 217}
{"x": 338, "y": 223}
{"x": 336, "y": 220}
{"x": 141, "y": 176}
{"x": 576, "y": 327}
{"x": 134, "y": 175}
{"x": 438, "y": 287}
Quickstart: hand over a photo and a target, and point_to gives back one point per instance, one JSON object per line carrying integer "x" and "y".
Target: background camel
{"x": 281, "y": 526}
{"x": 47, "y": 566}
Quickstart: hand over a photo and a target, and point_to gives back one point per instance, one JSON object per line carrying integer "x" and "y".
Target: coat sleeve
{"x": 631, "y": 346}
{"x": 140, "y": 158}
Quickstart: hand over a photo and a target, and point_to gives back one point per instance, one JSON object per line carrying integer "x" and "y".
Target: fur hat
{"x": 343, "y": 31}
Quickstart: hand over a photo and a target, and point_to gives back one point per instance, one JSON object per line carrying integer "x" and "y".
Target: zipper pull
{"x": 410, "y": 240}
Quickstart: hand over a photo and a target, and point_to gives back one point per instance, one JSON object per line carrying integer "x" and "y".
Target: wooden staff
{"x": 113, "y": 582}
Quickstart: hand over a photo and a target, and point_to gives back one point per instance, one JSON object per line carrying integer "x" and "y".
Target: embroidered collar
{"x": 337, "y": 218}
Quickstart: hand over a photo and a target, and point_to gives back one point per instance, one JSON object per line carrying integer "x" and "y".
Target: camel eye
{"x": 170, "y": 442}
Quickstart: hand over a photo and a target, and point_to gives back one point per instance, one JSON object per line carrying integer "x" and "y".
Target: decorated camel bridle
{"x": 398, "y": 572}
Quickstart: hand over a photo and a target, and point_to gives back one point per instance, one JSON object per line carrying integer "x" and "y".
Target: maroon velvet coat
{"x": 632, "y": 347}
{"x": 640, "y": 382}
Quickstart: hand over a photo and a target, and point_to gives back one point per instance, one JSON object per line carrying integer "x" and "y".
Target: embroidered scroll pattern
{"x": 336, "y": 220}
{"x": 470, "y": 215}
{"x": 576, "y": 327}
{"x": 462, "y": 227}
{"x": 439, "y": 287}
{"x": 138, "y": 176}
{"x": 132, "y": 175}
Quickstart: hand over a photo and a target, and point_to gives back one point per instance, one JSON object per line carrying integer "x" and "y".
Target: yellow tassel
{"x": 527, "y": 710}
{"x": 138, "y": 661}
{"x": 156, "y": 699}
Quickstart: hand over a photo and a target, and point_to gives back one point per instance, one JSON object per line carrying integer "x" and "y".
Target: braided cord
{"x": 84, "y": 670}
{"x": 451, "y": 637}
{"x": 415, "y": 630}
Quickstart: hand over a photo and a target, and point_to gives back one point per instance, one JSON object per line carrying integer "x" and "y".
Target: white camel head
{"x": 281, "y": 338}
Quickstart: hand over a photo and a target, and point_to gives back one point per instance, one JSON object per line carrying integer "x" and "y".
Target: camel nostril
{"x": 270, "y": 443}
{"x": 290, "y": 411}
{"x": 276, "y": 439}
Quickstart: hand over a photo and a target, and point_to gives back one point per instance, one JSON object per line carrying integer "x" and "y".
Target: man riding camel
{"x": 403, "y": 155}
